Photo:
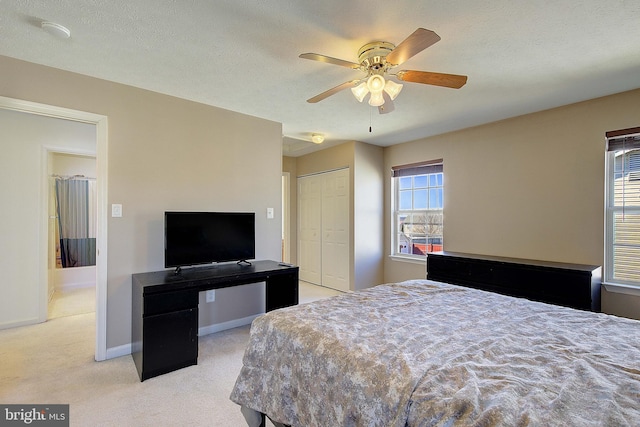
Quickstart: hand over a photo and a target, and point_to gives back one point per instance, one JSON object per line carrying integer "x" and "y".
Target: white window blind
{"x": 622, "y": 233}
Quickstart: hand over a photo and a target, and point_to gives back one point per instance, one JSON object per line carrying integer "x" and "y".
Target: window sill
{"x": 410, "y": 259}
{"x": 622, "y": 289}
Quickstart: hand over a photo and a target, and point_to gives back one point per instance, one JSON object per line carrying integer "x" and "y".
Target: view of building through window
{"x": 418, "y": 215}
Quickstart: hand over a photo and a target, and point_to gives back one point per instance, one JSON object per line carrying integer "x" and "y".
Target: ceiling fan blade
{"x": 388, "y": 105}
{"x": 418, "y": 41}
{"x": 437, "y": 79}
{"x": 332, "y": 91}
{"x": 330, "y": 60}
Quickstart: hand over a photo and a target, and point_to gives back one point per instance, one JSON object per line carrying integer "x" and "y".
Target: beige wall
{"x": 368, "y": 226}
{"x": 365, "y": 163}
{"x": 167, "y": 153}
{"x": 337, "y": 157}
{"x": 529, "y": 187}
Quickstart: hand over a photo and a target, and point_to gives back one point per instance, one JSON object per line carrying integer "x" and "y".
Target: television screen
{"x": 192, "y": 238}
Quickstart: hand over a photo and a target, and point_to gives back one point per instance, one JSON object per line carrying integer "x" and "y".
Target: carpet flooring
{"x": 53, "y": 362}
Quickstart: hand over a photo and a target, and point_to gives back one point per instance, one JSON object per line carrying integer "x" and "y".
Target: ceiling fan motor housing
{"x": 372, "y": 57}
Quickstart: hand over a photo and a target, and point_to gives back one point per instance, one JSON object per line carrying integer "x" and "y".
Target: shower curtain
{"x": 76, "y": 211}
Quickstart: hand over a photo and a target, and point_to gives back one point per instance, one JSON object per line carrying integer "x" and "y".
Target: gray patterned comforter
{"x": 422, "y": 353}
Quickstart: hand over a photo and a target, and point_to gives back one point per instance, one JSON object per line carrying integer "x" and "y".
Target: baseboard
{"x": 76, "y": 285}
{"x": 9, "y": 325}
{"x": 121, "y": 350}
{"x": 124, "y": 350}
{"x": 219, "y": 327}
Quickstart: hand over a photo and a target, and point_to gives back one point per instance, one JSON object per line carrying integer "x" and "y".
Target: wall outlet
{"x": 210, "y": 295}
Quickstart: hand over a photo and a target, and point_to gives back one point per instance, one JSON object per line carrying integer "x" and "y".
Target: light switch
{"x": 116, "y": 210}
{"x": 269, "y": 213}
{"x": 210, "y": 295}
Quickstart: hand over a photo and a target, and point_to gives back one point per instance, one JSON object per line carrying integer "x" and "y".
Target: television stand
{"x": 164, "y": 308}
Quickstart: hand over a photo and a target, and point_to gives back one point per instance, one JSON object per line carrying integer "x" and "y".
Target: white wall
{"x": 24, "y": 139}
{"x": 66, "y": 164}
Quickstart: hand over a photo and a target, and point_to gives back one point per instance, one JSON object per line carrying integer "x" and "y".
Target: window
{"x": 418, "y": 200}
{"x": 622, "y": 231}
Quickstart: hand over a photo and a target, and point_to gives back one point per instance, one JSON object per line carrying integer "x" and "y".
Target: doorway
{"x": 72, "y": 270}
{"x": 40, "y": 292}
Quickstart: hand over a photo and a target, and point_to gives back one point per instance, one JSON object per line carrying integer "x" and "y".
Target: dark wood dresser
{"x": 571, "y": 285}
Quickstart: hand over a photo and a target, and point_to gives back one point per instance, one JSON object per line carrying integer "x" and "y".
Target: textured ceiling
{"x": 242, "y": 55}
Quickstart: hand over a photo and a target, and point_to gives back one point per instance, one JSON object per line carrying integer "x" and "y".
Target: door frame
{"x": 286, "y": 216}
{"x": 100, "y": 122}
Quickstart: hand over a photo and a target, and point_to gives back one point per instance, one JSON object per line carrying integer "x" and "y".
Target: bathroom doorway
{"x": 71, "y": 260}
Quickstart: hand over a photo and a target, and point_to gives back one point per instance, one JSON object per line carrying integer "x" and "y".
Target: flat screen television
{"x": 193, "y": 238}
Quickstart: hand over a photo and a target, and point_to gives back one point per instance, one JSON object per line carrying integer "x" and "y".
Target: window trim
{"x": 415, "y": 168}
{"x": 413, "y": 259}
{"x": 615, "y": 141}
{"x": 419, "y": 168}
{"x": 621, "y": 288}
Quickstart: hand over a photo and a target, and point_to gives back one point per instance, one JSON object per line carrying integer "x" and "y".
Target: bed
{"x": 425, "y": 353}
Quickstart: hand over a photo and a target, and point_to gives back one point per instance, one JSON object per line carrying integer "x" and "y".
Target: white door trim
{"x": 101, "y": 239}
{"x": 286, "y": 212}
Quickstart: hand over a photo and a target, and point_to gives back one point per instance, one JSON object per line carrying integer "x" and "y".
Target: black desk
{"x": 164, "y": 309}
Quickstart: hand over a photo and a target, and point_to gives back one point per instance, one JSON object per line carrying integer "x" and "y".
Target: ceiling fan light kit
{"x": 376, "y": 60}
{"x": 375, "y": 84}
{"x": 360, "y": 91}
{"x": 376, "y": 99}
{"x": 392, "y": 88}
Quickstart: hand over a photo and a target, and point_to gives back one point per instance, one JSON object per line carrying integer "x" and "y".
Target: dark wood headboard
{"x": 571, "y": 285}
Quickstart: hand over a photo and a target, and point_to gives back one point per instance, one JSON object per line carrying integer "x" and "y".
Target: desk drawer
{"x": 167, "y": 302}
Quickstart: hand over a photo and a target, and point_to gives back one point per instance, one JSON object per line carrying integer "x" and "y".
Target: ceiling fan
{"x": 377, "y": 59}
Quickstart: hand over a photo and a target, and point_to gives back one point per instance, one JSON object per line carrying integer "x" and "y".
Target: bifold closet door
{"x": 335, "y": 230}
{"x": 309, "y": 228}
{"x": 323, "y": 229}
